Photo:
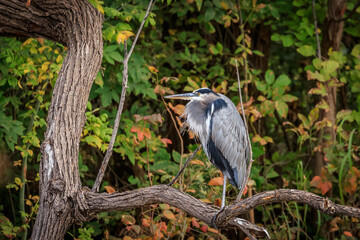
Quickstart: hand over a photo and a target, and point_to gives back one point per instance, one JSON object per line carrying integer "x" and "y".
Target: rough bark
{"x": 77, "y": 25}
{"x": 332, "y": 35}
{"x": 96, "y": 203}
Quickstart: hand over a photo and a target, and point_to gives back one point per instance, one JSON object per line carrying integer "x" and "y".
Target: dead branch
{"x": 121, "y": 102}
{"x": 105, "y": 202}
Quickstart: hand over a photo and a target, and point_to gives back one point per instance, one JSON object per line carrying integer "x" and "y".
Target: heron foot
{"x": 214, "y": 218}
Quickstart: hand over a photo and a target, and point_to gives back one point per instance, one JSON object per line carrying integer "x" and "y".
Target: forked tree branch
{"x": 121, "y": 102}
{"x": 104, "y": 202}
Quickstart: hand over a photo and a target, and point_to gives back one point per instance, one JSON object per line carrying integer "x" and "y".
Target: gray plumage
{"x": 217, "y": 123}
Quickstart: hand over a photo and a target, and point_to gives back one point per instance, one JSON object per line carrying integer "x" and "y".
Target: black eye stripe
{"x": 205, "y": 91}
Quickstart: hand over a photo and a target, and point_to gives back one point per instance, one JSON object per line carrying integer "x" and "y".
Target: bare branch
{"x": 316, "y": 31}
{"x": 183, "y": 167}
{"x": 248, "y": 138}
{"x": 104, "y": 202}
{"x": 243, "y": 43}
{"x": 350, "y": 14}
{"x": 122, "y": 100}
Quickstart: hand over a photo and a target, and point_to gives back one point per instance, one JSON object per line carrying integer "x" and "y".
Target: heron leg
{"x": 213, "y": 220}
{"x": 223, "y": 193}
{"x": 184, "y": 166}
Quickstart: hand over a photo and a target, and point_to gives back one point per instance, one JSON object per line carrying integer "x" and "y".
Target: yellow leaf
{"x": 18, "y": 181}
{"x": 30, "y": 152}
{"x": 27, "y": 42}
{"x": 42, "y": 49}
{"x": 58, "y": 59}
{"x": 123, "y": 35}
{"x": 152, "y": 69}
{"x": 19, "y": 84}
{"x": 28, "y": 202}
{"x": 45, "y": 66}
{"x": 169, "y": 215}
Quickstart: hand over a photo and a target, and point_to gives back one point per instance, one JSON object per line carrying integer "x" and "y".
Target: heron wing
{"x": 229, "y": 136}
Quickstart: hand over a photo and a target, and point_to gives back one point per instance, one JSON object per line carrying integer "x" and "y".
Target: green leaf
{"x": 356, "y": 51}
{"x": 306, "y": 50}
{"x": 269, "y": 77}
{"x": 199, "y": 4}
{"x": 317, "y": 63}
{"x": 289, "y": 98}
{"x": 313, "y": 115}
{"x": 256, "y": 52}
{"x": 330, "y": 66}
{"x": 267, "y": 107}
{"x": 287, "y": 40}
{"x": 272, "y": 173}
{"x": 282, "y": 108}
{"x": 282, "y": 81}
{"x": 261, "y": 86}
{"x": 304, "y": 120}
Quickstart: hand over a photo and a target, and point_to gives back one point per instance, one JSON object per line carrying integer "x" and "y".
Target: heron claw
{"x": 213, "y": 220}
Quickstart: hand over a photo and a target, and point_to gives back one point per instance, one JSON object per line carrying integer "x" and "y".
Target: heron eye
{"x": 198, "y": 94}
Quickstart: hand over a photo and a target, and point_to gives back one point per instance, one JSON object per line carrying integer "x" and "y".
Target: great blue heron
{"x": 217, "y": 123}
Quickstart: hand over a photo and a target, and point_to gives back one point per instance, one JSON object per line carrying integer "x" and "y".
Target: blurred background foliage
{"x": 299, "y": 139}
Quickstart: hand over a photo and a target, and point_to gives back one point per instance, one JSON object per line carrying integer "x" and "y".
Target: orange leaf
{"x": 147, "y": 133}
{"x": 204, "y": 228}
{"x": 259, "y": 139}
{"x": 163, "y": 227}
{"x": 356, "y": 171}
{"x": 109, "y": 189}
{"x": 195, "y": 223}
{"x": 217, "y": 181}
{"x": 166, "y": 141}
{"x": 217, "y": 202}
{"x": 321, "y": 184}
{"x": 152, "y": 69}
{"x": 213, "y": 230}
{"x": 245, "y": 190}
{"x": 127, "y": 238}
{"x": 137, "y": 129}
{"x": 145, "y": 222}
{"x": 350, "y": 185}
{"x": 178, "y": 109}
{"x": 169, "y": 215}
{"x": 315, "y": 181}
{"x": 197, "y": 162}
{"x": 348, "y": 234}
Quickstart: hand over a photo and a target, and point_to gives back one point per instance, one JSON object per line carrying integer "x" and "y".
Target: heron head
{"x": 202, "y": 94}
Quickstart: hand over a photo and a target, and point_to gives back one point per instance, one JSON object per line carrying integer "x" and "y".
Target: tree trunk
{"x": 76, "y": 24}
{"x": 332, "y": 35}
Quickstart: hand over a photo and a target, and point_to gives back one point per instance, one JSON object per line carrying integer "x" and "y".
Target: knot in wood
{"x": 57, "y": 186}
{"x": 81, "y": 209}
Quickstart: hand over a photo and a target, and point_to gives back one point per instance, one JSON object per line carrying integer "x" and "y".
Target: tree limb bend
{"x": 104, "y": 202}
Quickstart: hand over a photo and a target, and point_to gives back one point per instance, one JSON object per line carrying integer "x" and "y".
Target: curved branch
{"x": 105, "y": 202}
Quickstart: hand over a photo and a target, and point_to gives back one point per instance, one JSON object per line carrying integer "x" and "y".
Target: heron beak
{"x": 184, "y": 96}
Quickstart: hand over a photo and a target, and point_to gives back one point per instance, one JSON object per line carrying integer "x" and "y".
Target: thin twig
{"x": 350, "y": 14}
{"x": 181, "y": 144}
{"x": 122, "y": 100}
{"x": 248, "y": 138}
{"x": 243, "y": 43}
{"x": 316, "y": 31}
{"x": 186, "y": 163}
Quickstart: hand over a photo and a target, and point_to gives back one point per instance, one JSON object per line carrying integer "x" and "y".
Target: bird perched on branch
{"x": 217, "y": 123}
